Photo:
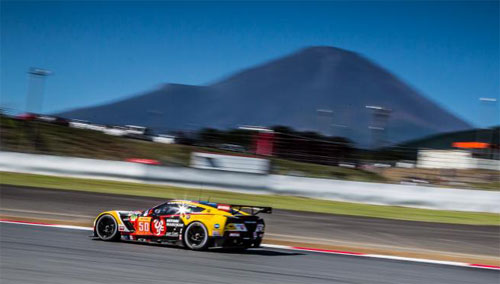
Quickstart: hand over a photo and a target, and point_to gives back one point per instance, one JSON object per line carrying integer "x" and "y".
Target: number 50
{"x": 143, "y": 226}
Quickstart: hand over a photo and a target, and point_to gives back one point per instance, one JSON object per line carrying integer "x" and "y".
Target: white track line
{"x": 379, "y": 256}
{"x": 46, "y": 225}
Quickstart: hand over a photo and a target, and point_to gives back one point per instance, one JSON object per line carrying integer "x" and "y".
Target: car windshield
{"x": 173, "y": 208}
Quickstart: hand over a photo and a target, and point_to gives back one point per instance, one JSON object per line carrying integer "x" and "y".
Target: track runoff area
{"x": 305, "y": 249}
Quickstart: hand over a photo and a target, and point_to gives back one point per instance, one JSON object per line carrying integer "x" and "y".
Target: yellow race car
{"x": 197, "y": 225}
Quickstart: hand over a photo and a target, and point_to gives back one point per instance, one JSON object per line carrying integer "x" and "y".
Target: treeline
{"x": 302, "y": 146}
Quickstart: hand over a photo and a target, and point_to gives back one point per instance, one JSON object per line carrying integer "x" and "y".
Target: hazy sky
{"x": 103, "y": 51}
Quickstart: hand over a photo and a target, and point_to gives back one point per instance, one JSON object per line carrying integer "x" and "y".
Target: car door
{"x": 166, "y": 222}
{"x": 153, "y": 222}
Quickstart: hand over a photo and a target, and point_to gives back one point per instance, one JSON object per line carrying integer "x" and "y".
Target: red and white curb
{"x": 328, "y": 251}
{"x": 392, "y": 257}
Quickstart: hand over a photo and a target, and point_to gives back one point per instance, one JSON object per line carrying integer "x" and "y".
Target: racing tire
{"x": 106, "y": 228}
{"x": 196, "y": 236}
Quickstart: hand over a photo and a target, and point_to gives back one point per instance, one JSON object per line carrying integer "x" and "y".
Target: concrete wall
{"x": 361, "y": 192}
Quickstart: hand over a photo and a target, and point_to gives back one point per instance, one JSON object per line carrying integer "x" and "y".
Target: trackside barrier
{"x": 359, "y": 192}
{"x": 390, "y": 194}
{"x": 82, "y": 167}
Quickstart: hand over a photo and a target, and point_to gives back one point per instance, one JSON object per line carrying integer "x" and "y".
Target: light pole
{"x": 154, "y": 117}
{"x": 327, "y": 114}
{"x": 380, "y": 117}
{"x": 485, "y": 102}
{"x": 484, "y": 112}
{"x": 34, "y": 98}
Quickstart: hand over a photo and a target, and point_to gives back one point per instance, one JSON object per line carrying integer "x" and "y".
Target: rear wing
{"x": 252, "y": 210}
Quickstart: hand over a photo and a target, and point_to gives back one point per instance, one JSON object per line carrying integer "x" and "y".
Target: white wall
{"x": 445, "y": 159}
{"x": 487, "y": 164}
{"x": 361, "y": 192}
{"x": 454, "y": 159}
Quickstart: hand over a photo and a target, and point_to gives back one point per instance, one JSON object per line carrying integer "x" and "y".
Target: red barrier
{"x": 144, "y": 161}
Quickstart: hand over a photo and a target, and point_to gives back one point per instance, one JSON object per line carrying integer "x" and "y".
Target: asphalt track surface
{"x": 31, "y": 254}
{"x": 282, "y": 224}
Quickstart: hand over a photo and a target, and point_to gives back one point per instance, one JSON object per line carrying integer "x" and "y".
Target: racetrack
{"x": 31, "y": 254}
{"x": 350, "y": 232}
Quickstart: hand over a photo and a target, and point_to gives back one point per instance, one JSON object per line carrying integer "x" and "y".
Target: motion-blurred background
{"x": 311, "y": 109}
{"x": 369, "y": 109}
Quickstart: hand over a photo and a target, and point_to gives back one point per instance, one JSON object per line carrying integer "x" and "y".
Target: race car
{"x": 196, "y": 225}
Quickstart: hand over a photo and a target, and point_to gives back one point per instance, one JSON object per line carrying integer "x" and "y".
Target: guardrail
{"x": 360, "y": 192}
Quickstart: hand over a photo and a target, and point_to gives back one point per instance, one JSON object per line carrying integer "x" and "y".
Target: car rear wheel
{"x": 106, "y": 228}
{"x": 196, "y": 236}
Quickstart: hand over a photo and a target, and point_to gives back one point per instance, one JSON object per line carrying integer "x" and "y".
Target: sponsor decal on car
{"x": 175, "y": 223}
{"x": 224, "y": 207}
{"x": 159, "y": 227}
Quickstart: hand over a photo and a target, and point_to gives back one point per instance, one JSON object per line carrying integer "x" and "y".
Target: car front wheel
{"x": 106, "y": 228}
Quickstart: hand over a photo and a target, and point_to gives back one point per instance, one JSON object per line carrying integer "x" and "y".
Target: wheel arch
{"x": 213, "y": 223}
{"x": 208, "y": 242}
{"x": 115, "y": 214}
{"x": 117, "y": 222}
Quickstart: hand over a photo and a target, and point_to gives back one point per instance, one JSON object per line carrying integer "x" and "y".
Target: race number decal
{"x": 158, "y": 227}
{"x": 143, "y": 225}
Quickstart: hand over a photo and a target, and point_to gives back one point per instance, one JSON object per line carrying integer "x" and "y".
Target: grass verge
{"x": 276, "y": 201}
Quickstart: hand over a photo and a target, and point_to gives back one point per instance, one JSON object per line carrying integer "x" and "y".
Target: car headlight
{"x": 236, "y": 227}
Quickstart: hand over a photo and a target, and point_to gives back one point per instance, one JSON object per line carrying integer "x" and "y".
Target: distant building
{"x": 454, "y": 159}
{"x": 164, "y": 138}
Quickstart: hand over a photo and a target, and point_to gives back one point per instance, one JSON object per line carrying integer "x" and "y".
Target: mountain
{"x": 321, "y": 89}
